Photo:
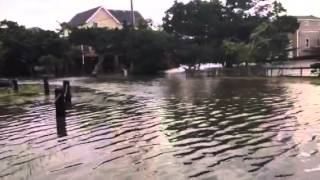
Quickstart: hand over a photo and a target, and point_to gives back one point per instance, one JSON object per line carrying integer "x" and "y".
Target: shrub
{"x": 315, "y": 69}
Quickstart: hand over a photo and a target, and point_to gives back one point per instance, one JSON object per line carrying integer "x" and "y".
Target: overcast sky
{"x": 46, "y": 13}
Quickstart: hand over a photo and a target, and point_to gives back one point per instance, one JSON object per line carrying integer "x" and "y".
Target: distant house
{"x": 102, "y": 17}
{"x": 306, "y": 40}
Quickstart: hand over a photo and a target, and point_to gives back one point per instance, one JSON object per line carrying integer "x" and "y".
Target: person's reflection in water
{"x": 61, "y": 127}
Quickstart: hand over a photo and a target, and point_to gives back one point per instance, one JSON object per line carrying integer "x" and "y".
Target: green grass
{"x": 26, "y": 93}
{"x": 316, "y": 81}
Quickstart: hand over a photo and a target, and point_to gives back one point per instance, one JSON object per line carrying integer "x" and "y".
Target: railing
{"x": 289, "y": 72}
{"x": 256, "y": 71}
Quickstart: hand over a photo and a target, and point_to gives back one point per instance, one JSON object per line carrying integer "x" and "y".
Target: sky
{"x": 47, "y": 13}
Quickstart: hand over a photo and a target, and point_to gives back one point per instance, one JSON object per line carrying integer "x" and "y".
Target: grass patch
{"x": 26, "y": 93}
{"x": 316, "y": 82}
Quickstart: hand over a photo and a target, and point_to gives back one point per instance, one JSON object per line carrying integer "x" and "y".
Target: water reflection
{"x": 167, "y": 128}
{"x": 225, "y": 120}
{"x": 61, "y": 126}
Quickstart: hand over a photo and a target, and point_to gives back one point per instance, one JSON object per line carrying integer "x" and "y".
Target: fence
{"x": 290, "y": 72}
{"x": 257, "y": 71}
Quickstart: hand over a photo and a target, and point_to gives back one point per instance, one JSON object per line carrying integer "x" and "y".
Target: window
{"x": 95, "y": 25}
{"x": 307, "y": 42}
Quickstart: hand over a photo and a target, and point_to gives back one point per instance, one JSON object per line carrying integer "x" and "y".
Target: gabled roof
{"x": 81, "y": 18}
{"x": 126, "y": 16}
{"x": 120, "y": 15}
{"x": 307, "y": 17}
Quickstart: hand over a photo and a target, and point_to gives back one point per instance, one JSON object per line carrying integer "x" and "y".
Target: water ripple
{"x": 167, "y": 128}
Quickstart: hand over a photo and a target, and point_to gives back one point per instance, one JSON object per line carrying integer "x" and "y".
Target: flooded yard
{"x": 167, "y": 128}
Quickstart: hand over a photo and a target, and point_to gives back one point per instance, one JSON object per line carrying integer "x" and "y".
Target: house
{"x": 102, "y": 17}
{"x": 306, "y": 40}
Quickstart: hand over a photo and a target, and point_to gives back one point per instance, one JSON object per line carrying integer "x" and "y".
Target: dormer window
{"x": 307, "y": 42}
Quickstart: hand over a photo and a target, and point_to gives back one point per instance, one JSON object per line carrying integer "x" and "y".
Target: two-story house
{"x": 102, "y": 17}
{"x": 306, "y": 40}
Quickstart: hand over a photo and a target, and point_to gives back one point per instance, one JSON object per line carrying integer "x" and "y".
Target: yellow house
{"x": 102, "y": 17}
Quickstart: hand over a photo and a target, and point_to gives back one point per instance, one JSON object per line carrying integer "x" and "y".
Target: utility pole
{"x": 133, "y": 28}
{"x": 82, "y": 57}
{"x": 133, "y": 16}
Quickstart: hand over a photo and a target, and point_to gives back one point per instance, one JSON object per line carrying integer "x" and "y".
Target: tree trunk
{"x": 229, "y": 64}
{"x": 98, "y": 65}
{"x": 116, "y": 65}
{"x": 131, "y": 66}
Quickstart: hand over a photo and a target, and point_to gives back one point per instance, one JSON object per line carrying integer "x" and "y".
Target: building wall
{"x": 103, "y": 19}
{"x": 307, "y": 37}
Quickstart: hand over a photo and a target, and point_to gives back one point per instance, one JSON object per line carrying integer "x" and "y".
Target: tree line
{"x": 231, "y": 33}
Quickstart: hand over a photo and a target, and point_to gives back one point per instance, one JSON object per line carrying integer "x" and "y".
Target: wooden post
{"x": 15, "y": 85}
{"x": 60, "y": 112}
{"x": 61, "y": 126}
{"x": 67, "y": 92}
{"x": 271, "y": 71}
{"x": 266, "y": 72}
{"x": 59, "y": 103}
{"x": 279, "y": 72}
{"x": 46, "y": 86}
{"x": 301, "y": 71}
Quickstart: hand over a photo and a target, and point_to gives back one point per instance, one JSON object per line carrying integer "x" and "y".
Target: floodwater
{"x": 167, "y": 128}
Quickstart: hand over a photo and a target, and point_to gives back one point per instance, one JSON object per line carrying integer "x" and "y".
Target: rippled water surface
{"x": 167, "y": 128}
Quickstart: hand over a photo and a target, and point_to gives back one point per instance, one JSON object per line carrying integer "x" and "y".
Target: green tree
{"x": 98, "y": 38}
{"x": 149, "y": 50}
{"x": 315, "y": 69}
{"x": 51, "y": 64}
{"x": 21, "y": 48}
{"x": 144, "y": 50}
{"x": 245, "y": 30}
{"x": 196, "y": 20}
{"x": 270, "y": 40}
{"x": 237, "y": 53}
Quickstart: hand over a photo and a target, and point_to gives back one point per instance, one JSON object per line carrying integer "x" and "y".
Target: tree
{"x": 315, "y": 69}
{"x": 21, "y": 48}
{"x": 200, "y": 26}
{"x": 237, "y": 53}
{"x": 144, "y": 50}
{"x": 196, "y": 20}
{"x": 12, "y": 37}
{"x": 98, "y": 38}
{"x": 250, "y": 29}
{"x": 270, "y": 40}
{"x": 51, "y": 64}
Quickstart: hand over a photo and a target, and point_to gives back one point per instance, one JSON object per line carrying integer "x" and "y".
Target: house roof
{"x": 121, "y": 15}
{"x": 81, "y": 18}
{"x": 307, "y": 17}
{"x": 126, "y": 16}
